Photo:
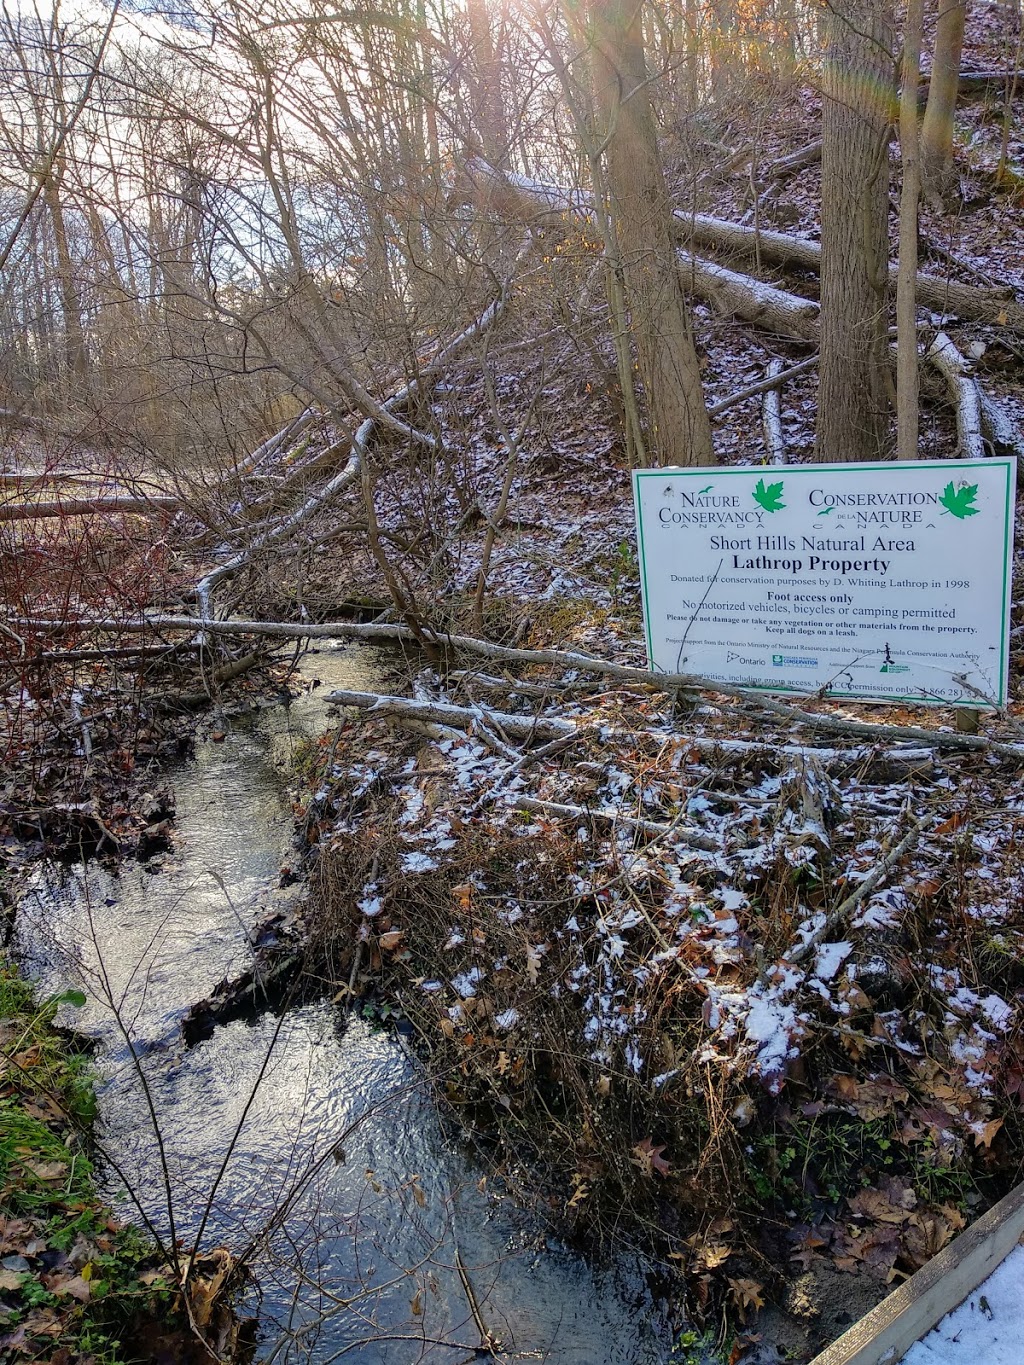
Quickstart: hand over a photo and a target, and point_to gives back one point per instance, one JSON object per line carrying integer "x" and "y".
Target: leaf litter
{"x": 620, "y": 960}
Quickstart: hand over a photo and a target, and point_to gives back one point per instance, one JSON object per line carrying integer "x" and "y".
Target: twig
{"x": 846, "y": 908}
{"x": 691, "y": 837}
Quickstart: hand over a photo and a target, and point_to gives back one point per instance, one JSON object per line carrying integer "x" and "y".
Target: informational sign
{"x": 879, "y": 581}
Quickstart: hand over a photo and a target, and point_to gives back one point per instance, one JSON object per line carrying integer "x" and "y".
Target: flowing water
{"x": 312, "y": 1134}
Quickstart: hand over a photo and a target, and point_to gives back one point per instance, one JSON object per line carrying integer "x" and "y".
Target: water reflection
{"x": 312, "y": 1139}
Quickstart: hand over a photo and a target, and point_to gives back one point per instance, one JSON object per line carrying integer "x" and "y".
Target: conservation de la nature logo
{"x": 957, "y": 501}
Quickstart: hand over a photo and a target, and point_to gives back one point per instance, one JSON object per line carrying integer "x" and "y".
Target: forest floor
{"x": 750, "y": 998}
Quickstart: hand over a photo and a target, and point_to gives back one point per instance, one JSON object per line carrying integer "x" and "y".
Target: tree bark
{"x": 75, "y": 354}
{"x": 667, "y": 358}
{"x": 907, "y": 372}
{"x": 858, "y": 97}
{"x": 485, "y": 82}
{"x": 937, "y": 129}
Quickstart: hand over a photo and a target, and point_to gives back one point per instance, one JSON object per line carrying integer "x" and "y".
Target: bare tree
{"x": 907, "y": 373}
{"x": 858, "y": 89}
{"x": 668, "y": 363}
{"x": 937, "y": 129}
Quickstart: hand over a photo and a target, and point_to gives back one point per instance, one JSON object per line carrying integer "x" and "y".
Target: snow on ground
{"x": 987, "y": 1328}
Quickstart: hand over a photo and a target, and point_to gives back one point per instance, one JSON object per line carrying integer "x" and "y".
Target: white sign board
{"x": 877, "y": 581}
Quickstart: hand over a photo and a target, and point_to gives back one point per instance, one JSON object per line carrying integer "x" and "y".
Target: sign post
{"x": 885, "y": 582}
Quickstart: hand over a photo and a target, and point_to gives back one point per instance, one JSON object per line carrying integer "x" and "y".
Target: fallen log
{"x": 773, "y": 381}
{"x": 762, "y": 305}
{"x": 542, "y": 203}
{"x": 376, "y": 632}
{"x": 1000, "y": 430}
{"x": 455, "y": 717}
{"x": 682, "y": 834}
{"x": 552, "y": 730}
{"x": 78, "y": 507}
{"x": 941, "y": 295}
{"x": 537, "y": 203}
{"x": 977, "y": 82}
{"x": 966, "y": 396}
{"x": 771, "y": 417}
{"x": 785, "y": 166}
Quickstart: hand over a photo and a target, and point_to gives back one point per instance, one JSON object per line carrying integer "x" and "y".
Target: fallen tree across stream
{"x": 443, "y": 643}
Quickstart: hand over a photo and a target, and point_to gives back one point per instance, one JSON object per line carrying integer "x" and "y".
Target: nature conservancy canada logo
{"x": 959, "y": 500}
{"x": 770, "y": 497}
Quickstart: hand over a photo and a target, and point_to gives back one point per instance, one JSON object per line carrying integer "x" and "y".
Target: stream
{"x": 313, "y": 1133}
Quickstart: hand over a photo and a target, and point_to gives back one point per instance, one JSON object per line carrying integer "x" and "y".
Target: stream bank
{"x": 308, "y": 1142}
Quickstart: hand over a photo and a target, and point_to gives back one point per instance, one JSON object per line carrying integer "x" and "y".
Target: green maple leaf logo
{"x": 770, "y": 498}
{"x": 958, "y": 501}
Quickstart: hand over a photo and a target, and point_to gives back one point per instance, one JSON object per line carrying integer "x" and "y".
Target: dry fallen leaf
{"x": 72, "y": 1285}
{"x": 983, "y": 1137}
{"x": 649, "y": 1158}
{"x": 47, "y": 1170}
{"x": 746, "y": 1294}
{"x": 713, "y": 1255}
{"x": 210, "y": 1274}
{"x": 532, "y": 965}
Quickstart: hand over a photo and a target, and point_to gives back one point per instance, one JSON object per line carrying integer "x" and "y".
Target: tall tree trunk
{"x": 857, "y": 111}
{"x": 680, "y": 427}
{"x": 907, "y": 375}
{"x": 74, "y": 336}
{"x": 488, "y": 105}
{"x": 937, "y": 173}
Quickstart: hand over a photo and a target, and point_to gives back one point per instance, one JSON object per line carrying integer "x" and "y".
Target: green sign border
{"x": 1008, "y": 465}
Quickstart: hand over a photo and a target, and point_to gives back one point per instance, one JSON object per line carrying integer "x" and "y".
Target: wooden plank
{"x": 884, "y": 1335}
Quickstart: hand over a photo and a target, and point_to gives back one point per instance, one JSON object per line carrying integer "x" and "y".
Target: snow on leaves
{"x": 652, "y": 950}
